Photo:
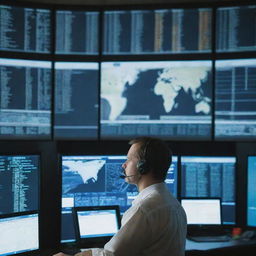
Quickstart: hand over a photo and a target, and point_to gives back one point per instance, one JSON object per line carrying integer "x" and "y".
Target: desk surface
{"x": 203, "y": 246}
{"x": 198, "y": 246}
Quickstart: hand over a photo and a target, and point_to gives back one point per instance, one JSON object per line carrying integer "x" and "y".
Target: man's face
{"x": 130, "y": 165}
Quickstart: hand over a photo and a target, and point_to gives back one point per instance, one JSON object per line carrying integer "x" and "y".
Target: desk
{"x": 232, "y": 247}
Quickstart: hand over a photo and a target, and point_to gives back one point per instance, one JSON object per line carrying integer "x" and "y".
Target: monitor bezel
{"x": 26, "y": 213}
{"x": 236, "y": 175}
{"x": 93, "y": 240}
{"x": 252, "y": 227}
{"x": 56, "y": 115}
{"x": 187, "y": 59}
{"x": 29, "y": 58}
{"x": 40, "y": 192}
{"x": 204, "y": 199}
{"x": 237, "y": 57}
{"x": 61, "y": 208}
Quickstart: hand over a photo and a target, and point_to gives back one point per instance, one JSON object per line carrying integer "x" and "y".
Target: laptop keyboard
{"x": 222, "y": 238}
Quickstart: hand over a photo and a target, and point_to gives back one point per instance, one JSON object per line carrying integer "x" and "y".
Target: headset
{"x": 143, "y": 165}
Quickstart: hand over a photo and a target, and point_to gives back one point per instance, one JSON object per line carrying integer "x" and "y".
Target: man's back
{"x": 154, "y": 225}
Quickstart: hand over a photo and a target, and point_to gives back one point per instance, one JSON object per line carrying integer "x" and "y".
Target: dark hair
{"x": 156, "y": 153}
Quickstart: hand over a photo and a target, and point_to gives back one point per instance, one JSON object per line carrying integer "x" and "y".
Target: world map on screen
{"x": 153, "y": 90}
{"x": 81, "y": 172}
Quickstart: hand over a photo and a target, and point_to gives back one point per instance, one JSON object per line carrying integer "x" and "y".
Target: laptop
{"x": 204, "y": 219}
{"x": 19, "y": 234}
{"x": 95, "y": 225}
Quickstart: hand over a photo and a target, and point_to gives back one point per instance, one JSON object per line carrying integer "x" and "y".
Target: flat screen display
{"x": 19, "y": 234}
{"x": 235, "y": 96}
{"x": 157, "y": 31}
{"x": 202, "y": 211}
{"x": 97, "y": 223}
{"x": 19, "y": 183}
{"x": 76, "y": 100}
{"x": 25, "y": 29}
{"x": 236, "y": 29}
{"x": 77, "y": 32}
{"x": 206, "y": 176}
{"x": 251, "y": 191}
{"x": 169, "y": 99}
{"x": 25, "y": 106}
{"x": 95, "y": 181}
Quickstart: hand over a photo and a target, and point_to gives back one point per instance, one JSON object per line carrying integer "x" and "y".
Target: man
{"x": 155, "y": 225}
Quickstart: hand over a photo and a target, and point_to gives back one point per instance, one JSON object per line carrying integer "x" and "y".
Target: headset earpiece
{"x": 143, "y": 165}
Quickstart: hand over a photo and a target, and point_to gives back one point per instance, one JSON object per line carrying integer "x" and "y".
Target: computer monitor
{"x": 202, "y": 211}
{"x": 158, "y": 31}
{"x": 25, "y": 29}
{"x": 235, "y": 28}
{"x": 251, "y": 191}
{"x": 95, "y": 181}
{"x": 96, "y": 224}
{"x": 211, "y": 177}
{"x": 25, "y": 110}
{"x": 235, "y": 99}
{"x": 76, "y": 100}
{"x": 19, "y": 233}
{"x": 19, "y": 183}
{"x": 176, "y": 99}
{"x": 70, "y": 39}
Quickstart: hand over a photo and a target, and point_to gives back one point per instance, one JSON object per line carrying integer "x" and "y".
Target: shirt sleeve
{"x": 133, "y": 237}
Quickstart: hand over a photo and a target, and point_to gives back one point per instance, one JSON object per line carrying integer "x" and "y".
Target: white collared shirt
{"x": 155, "y": 225}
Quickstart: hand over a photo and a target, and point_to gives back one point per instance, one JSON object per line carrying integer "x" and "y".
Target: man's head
{"x": 148, "y": 155}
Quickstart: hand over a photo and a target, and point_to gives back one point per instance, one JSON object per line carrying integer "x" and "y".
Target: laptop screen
{"x": 202, "y": 211}
{"x": 97, "y": 222}
{"x": 19, "y": 234}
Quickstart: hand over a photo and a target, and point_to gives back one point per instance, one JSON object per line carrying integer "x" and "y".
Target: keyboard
{"x": 222, "y": 238}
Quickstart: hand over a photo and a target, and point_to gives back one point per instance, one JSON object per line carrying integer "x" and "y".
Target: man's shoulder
{"x": 157, "y": 201}
{"x": 153, "y": 201}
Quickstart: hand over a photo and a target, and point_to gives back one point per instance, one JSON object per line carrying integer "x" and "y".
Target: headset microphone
{"x": 127, "y": 176}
